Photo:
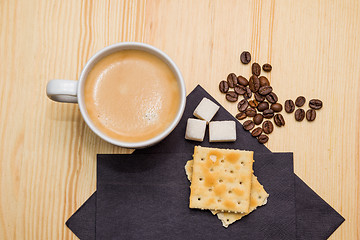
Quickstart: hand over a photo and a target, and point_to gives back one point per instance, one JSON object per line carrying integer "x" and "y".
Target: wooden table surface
{"x": 47, "y": 163}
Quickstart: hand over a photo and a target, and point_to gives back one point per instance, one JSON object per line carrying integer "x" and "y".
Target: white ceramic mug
{"x": 70, "y": 91}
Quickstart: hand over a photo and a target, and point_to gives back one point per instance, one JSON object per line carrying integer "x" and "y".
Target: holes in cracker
{"x": 202, "y": 159}
{"x": 220, "y": 180}
{"x": 199, "y": 199}
{"x": 210, "y": 189}
{"x": 222, "y": 160}
{"x": 242, "y": 163}
{"x": 239, "y": 202}
{"x": 200, "y": 179}
{"x": 231, "y": 171}
{"x": 240, "y": 182}
{"x": 259, "y": 197}
{"x": 219, "y": 200}
{"x": 227, "y": 220}
{"x": 230, "y": 192}
{"x": 211, "y": 169}
{"x": 213, "y": 158}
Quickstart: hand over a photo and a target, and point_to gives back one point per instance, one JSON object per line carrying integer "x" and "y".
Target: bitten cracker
{"x": 258, "y": 197}
{"x": 221, "y": 179}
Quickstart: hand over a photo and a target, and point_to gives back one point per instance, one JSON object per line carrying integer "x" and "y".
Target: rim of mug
{"x": 136, "y": 46}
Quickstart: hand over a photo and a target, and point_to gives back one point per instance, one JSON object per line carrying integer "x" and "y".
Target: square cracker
{"x": 258, "y": 197}
{"x": 221, "y": 179}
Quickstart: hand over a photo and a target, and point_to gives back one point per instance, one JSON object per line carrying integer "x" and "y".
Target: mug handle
{"x": 62, "y": 90}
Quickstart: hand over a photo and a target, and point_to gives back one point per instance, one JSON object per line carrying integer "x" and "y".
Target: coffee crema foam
{"x": 131, "y": 95}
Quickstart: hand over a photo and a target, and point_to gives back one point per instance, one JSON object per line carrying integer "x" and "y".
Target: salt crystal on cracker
{"x": 221, "y": 179}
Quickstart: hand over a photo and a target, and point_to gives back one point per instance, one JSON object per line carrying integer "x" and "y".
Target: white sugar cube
{"x": 206, "y": 110}
{"x": 222, "y": 131}
{"x": 195, "y": 129}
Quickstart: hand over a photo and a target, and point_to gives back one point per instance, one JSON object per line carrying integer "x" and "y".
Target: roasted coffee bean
{"x": 300, "y": 101}
{"x": 253, "y": 103}
{"x": 256, "y": 132}
{"x": 299, "y": 114}
{"x": 241, "y": 115}
{"x": 232, "y": 80}
{"x": 248, "y": 125}
{"x": 242, "y": 105}
{"x": 310, "y": 115}
{"x": 315, "y": 104}
{"x": 248, "y": 93}
{"x": 259, "y": 97}
{"x": 264, "y": 81}
{"x": 265, "y": 90}
{"x": 267, "y": 67}
{"x": 268, "y": 113}
{"x": 268, "y": 127}
{"x": 258, "y": 118}
{"x": 250, "y": 112}
{"x": 271, "y": 97}
{"x": 263, "y": 106}
{"x": 240, "y": 89}
{"x": 254, "y": 83}
{"x": 289, "y": 106}
{"x": 263, "y": 139}
{"x": 245, "y": 57}
{"x": 255, "y": 69}
{"x": 242, "y": 81}
{"x": 279, "y": 120}
{"x": 223, "y": 86}
{"x": 232, "y": 96}
{"x": 276, "y": 107}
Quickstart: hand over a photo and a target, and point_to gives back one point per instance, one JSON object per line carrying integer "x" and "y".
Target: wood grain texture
{"x": 47, "y": 153}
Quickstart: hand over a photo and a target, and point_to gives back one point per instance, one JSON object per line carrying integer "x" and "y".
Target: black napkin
{"x": 146, "y": 196}
{"x": 315, "y": 219}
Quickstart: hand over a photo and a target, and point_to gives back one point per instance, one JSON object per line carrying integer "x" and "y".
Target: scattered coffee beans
{"x": 263, "y": 106}
{"x": 268, "y": 113}
{"x": 265, "y": 90}
{"x": 289, "y": 106}
{"x": 241, "y": 115}
{"x": 267, "y": 67}
{"x": 245, "y": 57}
{"x": 250, "y": 112}
{"x": 299, "y": 114}
{"x": 264, "y": 81}
{"x": 263, "y": 139}
{"x": 254, "y": 83}
{"x": 263, "y": 96}
{"x": 232, "y": 80}
{"x": 256, "y": 132}
{"x": 310, "y": 115}
{"x": 300, "y": 101}
{"x": 231, "y": 96}
{"x": 276, "y": 107}
{"x": 279, "y": 120}
{"x": 242, "y": 81}
{"x": 248, "y": 125}
{"x": 271, "y": 97}
{"x": 258, "y": 119}
{"x": 240, "y": 89}
{"x": 248, "y": 93}
{"x": 315, "y": 104}
{"x": 253, "y": 103}
{"x": 243, "y": 105}
{"x": 255, "y": 69}
{"x": 268, "y": 127}
{"x": 259, "y": 97}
